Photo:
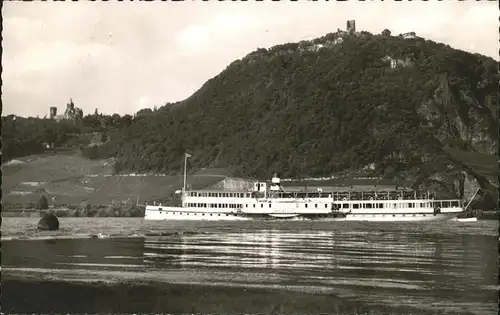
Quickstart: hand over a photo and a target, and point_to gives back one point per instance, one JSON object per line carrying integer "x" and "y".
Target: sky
{"x": 121, "y": 57}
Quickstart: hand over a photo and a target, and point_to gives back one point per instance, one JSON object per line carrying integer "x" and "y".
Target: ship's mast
{"x": 183, "y": 197}
{"x": 186, "y": 156}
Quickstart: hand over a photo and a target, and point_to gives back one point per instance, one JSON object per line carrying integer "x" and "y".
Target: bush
{"x": 62, "y": 213}
{"x": 105, "y": 212}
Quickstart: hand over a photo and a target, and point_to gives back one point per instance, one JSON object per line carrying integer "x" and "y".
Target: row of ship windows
{"x": 235, "y": 206}
{"x": 220, "y": 195}
{"x": 440, "y": 204}
{"x": 202, "y": 214}
{"x": 214, "y": 205}
{"x": 444, "y": 204}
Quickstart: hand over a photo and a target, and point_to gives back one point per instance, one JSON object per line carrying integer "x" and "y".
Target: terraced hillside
{"x": 72, "y": 179}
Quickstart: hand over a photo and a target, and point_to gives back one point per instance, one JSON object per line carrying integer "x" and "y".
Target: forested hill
{"x": 405, "y": 107}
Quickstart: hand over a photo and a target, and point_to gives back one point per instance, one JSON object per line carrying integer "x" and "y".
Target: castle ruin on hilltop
{"x": 71, "y": 113}
{"x": 351, "y": 26}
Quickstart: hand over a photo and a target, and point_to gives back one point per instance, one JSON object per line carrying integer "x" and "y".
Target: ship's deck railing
{"x": 336, "y": 196}
{"x": 354, "y": 195}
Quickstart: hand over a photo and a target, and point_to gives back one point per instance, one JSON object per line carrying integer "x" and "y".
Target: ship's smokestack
{"x": 275, "y": 183}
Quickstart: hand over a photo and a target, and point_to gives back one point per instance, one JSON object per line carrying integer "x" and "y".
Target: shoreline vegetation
{"x": 75, "y": 211}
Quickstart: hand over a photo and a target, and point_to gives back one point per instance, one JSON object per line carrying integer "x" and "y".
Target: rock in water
{"x": 48, "y": 222}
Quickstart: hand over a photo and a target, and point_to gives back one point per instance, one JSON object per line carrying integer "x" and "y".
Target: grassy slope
{"x": 66, "y": 177}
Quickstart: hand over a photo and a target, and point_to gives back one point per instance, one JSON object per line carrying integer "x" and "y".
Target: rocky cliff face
{"x": 464, "y": 124}
{"x": 459, "y": 118}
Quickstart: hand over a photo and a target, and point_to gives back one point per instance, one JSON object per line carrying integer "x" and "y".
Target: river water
{"x": 428, "y": 268}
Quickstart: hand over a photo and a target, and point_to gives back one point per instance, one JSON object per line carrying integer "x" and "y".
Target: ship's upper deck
{"x": 345, "y": 193}
{"x": 335, "y": 196}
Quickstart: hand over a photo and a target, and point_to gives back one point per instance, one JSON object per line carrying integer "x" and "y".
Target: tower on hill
{"x": 53, "y": 112}
{"x": 351, "y": 26}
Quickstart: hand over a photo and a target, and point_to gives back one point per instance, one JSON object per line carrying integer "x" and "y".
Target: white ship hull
{"x": 187, "y": 214}
{"x": 178, "y": 213}
{"x": 417, "y": 217}
{"x": 193, "y": 214}
{"x": 474, "y": 219}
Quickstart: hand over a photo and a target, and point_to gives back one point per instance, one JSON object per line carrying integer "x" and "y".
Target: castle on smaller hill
{"x": 71, "y": 113}
{"x": 351, "y": 26}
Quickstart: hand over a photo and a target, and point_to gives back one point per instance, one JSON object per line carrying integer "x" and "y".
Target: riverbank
{"x": 31, "y": 296}
{"x": 76, "y": 211}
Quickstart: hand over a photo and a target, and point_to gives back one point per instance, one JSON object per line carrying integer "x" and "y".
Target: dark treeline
{"x": 25, "y": 136}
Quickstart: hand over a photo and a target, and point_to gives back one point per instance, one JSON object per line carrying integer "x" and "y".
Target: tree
{"x": 79, "y": 114}
{"x": 43, "y": 203}
{"x": 386, "y": 32}
{"x": 126, "y": 121}
{"x": 144, "y": 112}
{"x": 115, "y": 118}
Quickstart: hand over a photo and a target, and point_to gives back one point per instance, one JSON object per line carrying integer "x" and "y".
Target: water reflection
{"x": 422, "y": 270}
{"x": 261, "y": 249}
{"x": 402, "y": 268}
{"x": 311, "y": 251}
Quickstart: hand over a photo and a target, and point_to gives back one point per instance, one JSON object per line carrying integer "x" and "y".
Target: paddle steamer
{"x": 274, "y": 203}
